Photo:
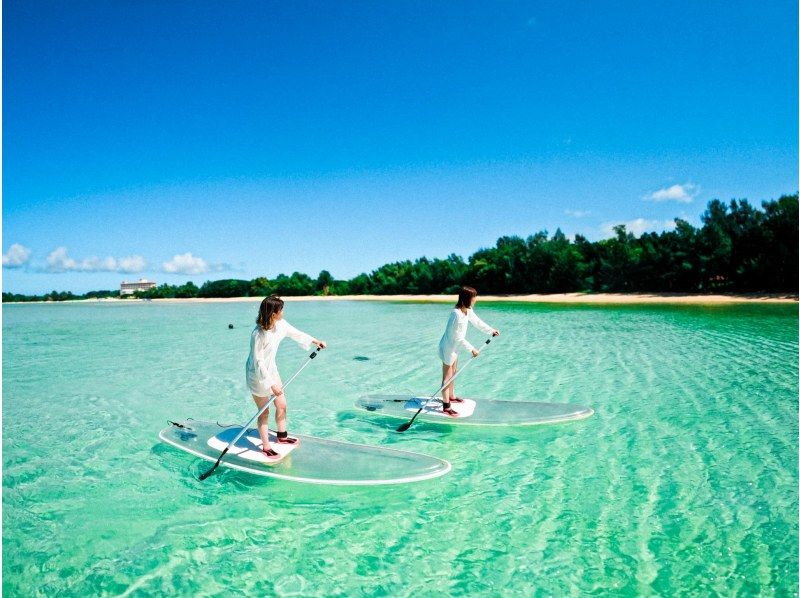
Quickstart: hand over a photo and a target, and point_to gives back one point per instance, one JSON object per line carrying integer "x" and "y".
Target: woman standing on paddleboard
{"x": 263, "y": 379}
{"x": 455, "y": 335}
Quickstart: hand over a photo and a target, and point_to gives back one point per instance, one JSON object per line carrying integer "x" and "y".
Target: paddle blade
{"x": 203, "y": 476}
{"x": 210, "y": 471}
{"x": 404, "y": 427}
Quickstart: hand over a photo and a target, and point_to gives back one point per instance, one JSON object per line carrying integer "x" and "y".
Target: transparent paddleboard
{"x": 314, "y": 460}
{"x": 473, "y": 412}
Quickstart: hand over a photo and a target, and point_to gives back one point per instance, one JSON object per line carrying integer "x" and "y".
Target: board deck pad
{"x": 313, "y": 460}
{"x": 248, "y": 447}
{"x": 434, "y": 407}
{"x": 476, "y": 412}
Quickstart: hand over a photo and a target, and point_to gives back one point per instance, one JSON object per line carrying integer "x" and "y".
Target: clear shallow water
{"x": 685, "y": 479}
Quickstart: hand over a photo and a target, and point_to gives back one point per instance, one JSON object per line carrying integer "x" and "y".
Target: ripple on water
{"x": 684, "y": 480}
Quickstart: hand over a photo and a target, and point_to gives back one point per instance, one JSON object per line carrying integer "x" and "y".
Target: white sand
{"x": 563, "y": 298}
{"x": 585, "y": 298}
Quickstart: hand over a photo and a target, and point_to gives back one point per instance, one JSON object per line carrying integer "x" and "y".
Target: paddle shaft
{"x": 258, "y": 413}
{"x": 406, "y": 426}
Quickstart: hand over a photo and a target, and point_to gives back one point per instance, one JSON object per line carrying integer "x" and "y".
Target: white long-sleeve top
{"x": 261, "y": 369}
{"x": 455, "y": 334}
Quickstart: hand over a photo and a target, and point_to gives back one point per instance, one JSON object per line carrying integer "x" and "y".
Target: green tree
{"x": 230, "y": 287}
{"x": 360, "y": 285}
{"x": 295, "y": 285}
{"x": 323, "y": 284}
{"x": 779, "y": 259}
{"x": 260, "y": 287}
{"x": 186, "y": 291}
{"x": 618, "y": 258}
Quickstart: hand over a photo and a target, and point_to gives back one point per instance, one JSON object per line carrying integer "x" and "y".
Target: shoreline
{"x": 555, "y": 298}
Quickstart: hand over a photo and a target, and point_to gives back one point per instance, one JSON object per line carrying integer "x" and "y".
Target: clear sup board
{"x": 313, "y": 460}
{"x": 472, "y": 412}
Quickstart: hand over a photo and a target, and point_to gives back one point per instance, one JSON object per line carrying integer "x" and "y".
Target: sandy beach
{"x": 557, "y": 298}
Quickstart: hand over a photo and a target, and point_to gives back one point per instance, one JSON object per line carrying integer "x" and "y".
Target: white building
{"x": 128, "y": 288}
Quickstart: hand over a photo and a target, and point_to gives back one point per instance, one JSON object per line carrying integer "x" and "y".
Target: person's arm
{"x": 480, "y": 324}
{"x": 258, "y": 349}
{"x": 301, "y": 338}
{"x": 465, "y": 343}
{"x": 452, "y": 324}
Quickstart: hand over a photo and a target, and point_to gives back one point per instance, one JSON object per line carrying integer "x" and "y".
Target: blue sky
{"x": 203, "y": 140}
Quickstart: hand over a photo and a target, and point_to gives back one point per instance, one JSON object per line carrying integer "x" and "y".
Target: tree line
{"x": 738, "y": 248}
{"x": 59, "y": 296}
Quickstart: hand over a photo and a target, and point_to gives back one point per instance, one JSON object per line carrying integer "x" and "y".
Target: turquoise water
{"x": 684, "y": 481}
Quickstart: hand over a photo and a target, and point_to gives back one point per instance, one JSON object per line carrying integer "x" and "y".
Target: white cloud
{"x": 577, "y": 213}
{"x": 59, "y": 261}
{"x": 680, "y": 193}
{"x": 637, "y": 227}
{"x": 16, "y": 256}
{"x": 132, "y": 263}
{"x": 186, "y": 263}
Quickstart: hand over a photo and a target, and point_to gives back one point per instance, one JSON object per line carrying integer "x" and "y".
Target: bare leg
{"x": 263, "y": 421}
{"x": 280, "y": 412}
{"x": 447, "y": 373}
{"x": 452, "y": 385}
{"x": 280, "y": 416}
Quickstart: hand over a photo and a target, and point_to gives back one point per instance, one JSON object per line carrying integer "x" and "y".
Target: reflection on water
{"x": 685, "y": 478}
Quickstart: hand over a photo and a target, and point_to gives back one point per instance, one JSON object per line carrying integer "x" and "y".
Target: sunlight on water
{"x": 684, "y": 479}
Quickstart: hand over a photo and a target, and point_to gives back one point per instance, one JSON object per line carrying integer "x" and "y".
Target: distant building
{"x": 128, "y": 288}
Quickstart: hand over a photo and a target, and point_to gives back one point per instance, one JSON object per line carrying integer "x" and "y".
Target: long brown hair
{"x": 465, "y": 297}
{"x": 269, "y": 307}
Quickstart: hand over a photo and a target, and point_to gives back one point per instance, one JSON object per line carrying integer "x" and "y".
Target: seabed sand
{"x": 564, "y": 298}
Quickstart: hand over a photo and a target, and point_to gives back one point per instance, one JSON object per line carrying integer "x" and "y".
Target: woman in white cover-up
{"x": 455, "y": 336}
{"x": 263, "y": 378}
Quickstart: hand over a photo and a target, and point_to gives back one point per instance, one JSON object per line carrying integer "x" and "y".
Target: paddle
{"x": 407, "y": 425}
{"x": 260, "y": 411}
